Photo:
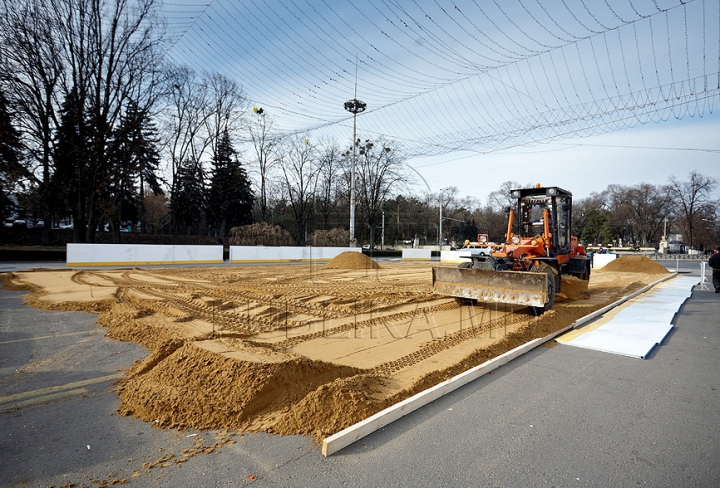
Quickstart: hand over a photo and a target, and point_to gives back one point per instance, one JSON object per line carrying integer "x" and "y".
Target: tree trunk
{"x": 79, "y": 227}
{"x": 92, "y": 220}
{"x": 223, "y": 228}
{"x": 115, "y": 224}
{"x": 46, "y": 179}
{"x": 141, "y": 216}
{"x": 174, "y": 225}
{"x": 263, "y": 199}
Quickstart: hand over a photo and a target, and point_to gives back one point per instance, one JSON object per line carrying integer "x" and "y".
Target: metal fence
{"x": 680, "y": 257}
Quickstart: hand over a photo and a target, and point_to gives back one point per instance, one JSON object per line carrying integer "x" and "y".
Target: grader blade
{"x": 489, "y": 286}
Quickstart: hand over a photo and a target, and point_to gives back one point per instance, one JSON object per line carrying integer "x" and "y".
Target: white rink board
{"x": 455, "y": 256}
{"x": 135, "y": 254}
{"x": 280, "y": 254}
{"x": 417, "y": 254}
{"x": 600, "y": 260}
{"x": 157, "y": 254}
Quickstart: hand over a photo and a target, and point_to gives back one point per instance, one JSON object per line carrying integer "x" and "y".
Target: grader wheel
{"x": 552, "y": 279}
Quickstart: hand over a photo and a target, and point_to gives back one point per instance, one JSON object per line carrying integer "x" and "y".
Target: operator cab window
{"x": 563, "y": 217}
{"x": 531, "y": 209}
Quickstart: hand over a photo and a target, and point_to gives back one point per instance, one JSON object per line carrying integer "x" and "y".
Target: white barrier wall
{"x": 127, "y": 254}
{"x": 417, "y": 254}
{"x": 600, "y": 260}
{"x": 455, "y": 256}
{"x": 282, "y": 254}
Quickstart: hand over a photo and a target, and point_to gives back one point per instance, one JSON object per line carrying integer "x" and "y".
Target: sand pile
{"x": 190, "y": 387}
{"x": 635, "y": 264}
{"x": 298, "y": 349}
{"x": 333, "y": 407}
{"x": 352, "y": 260}
{"x": 574, "y": 288}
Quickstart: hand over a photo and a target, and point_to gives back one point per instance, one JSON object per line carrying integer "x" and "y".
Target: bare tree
{"x": 157, "y": 212}
{"x": 492, "y": 222}
{"x": 265, "y": 144}
{"x": 111, "y": 50}
{"x": 186, "y": 112}
{"x": 186, "y": 138}
{"x": 13, "y": 173}
{"x": 100, "y": 53}
{"x": 407, "y": 217}
{"x": 500, "y": 199}
{"x": 226, "y": 106}
{"x": 646, "y": 207}
{"x": 30, "y": 72}
{"x": 329, "y": 182}
{"x": 299, "y": 175}
{"x": 446, "y": 202}
{"x": 459, "y": 222}
{"x": 426, "y": 213}
{"x": 618, "y": 202}
{"x": 380, "y": 172}
{"x": 692, "y": 200}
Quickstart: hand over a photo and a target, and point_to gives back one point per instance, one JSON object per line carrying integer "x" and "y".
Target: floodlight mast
{"x": 355, "y": 107}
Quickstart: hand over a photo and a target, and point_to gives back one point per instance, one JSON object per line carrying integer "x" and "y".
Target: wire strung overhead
{"x": 440, "y": 76}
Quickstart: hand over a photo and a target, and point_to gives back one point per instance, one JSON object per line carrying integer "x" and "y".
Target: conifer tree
{"x": 11, "y": 170}
{"x": 69, "y": 180}
{"x": 229, "y": 197}
{"x": 188, "y": 201}
{"x": 135, "y": 164}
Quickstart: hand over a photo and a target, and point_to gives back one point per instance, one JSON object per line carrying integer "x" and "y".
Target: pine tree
{"x": 10, "y": 156}
{"x": 187, "y": 201}
{"x": 229, "y": 198}
{"x": 69, "y": 180}
{"x": 136, "y": 160}
{"x": 242, "y": 198}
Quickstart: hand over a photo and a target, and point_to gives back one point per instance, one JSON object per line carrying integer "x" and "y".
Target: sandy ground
{"x": 300, "y": 349}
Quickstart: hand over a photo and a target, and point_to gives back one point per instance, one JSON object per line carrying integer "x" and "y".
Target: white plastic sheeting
{"x": 638, "y": 328}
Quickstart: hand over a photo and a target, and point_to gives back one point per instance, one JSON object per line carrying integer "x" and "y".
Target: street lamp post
{"x": 382, "y": 238}
{"x": 355, "y": 107}
{"x": 441, "y": 219}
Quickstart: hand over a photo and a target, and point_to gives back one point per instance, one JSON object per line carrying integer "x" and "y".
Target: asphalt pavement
{"x": 557, "y": 416}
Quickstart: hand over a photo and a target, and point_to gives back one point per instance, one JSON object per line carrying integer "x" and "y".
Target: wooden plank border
{"x": 355, "y": 432}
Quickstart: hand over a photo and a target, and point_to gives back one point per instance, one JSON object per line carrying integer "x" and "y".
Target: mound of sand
{"x": 184, "y": 386}
{"x": 352, "y": 260}
{"x": 574, "y": 288}
{"x": 635, "y": 264}
{"x": 277, "y": 349}
{"x": 333, "y": 407}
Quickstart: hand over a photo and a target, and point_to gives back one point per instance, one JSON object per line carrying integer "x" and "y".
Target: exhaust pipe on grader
{"x": 527, "y": 269}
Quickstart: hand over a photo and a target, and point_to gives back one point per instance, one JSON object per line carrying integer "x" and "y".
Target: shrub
{"x": 332, "y": 238}
{"x": 259, "y": 234}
